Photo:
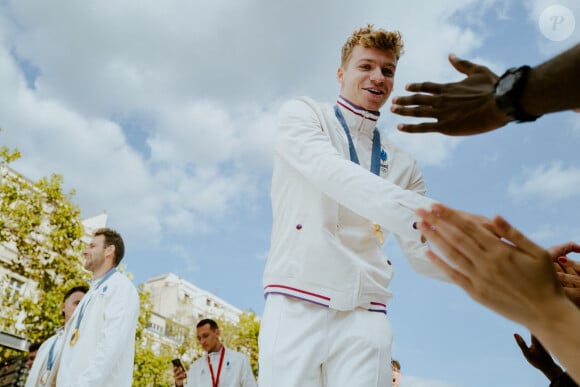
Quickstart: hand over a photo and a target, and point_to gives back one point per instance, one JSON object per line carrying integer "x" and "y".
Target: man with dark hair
{"x": 42, "y": 371}
{"x": 99, "y": 342}
{"x": 221, "y": 366}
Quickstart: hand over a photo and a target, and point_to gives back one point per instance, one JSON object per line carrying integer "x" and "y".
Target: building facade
{"x": 177, "y": 306}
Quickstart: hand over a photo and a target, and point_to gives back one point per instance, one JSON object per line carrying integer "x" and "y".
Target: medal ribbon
{"x": 215, "y": 381}
{"x": 375, "y": 158}
{"x": 84, "y": 305}
{"x": 50, "y": 361}
{"x": 376, "y": 154}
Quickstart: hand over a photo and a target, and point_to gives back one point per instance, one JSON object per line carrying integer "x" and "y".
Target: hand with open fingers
{"x": 509, "y": 274}
{"x": 538, "y": 357}
{"x": 460, "y": 108}
{"x": 512, "y": 276}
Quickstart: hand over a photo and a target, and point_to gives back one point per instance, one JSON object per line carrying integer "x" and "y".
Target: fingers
{"x": 414, "y": 100}
{"x": 571, "y": 247}
{"x": 568, "y": 266}
{"x": 563, "y": 249}
{"x": 521, "y": 343}
{"x": 451, "y": 273}
{"x": 462, "y": 231}
{"x": 423, "y": 127}
{"x": 416, "y": 111}
{"x": 513, "y": 235}
{"x": 463, "y": 66}
{"x": 179, "y": 373}
{"x": 425, "y": 87}
{"x": 569, "y": 280}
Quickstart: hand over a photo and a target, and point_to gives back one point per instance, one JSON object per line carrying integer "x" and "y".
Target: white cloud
{"x": 200, "y": 84}
{"x": 550, "y": 182}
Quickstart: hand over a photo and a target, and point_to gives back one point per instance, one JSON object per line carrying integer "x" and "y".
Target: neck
{"x": 219, "y": 347}
{"x": 99, "y": 273}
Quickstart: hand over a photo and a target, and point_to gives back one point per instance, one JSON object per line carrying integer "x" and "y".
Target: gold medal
{"x": 75, "y": 337}
{"x": 44, "y": 377}
{"x": 379, "y": 234}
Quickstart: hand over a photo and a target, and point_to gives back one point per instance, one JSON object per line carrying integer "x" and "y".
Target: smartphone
{"x": 177, "y": 363}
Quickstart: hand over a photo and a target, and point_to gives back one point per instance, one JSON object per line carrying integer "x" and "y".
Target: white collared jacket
{"x": 105, "y": 350}
{"x": 323, "y": 246}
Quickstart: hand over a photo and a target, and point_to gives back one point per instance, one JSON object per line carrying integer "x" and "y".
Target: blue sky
{"x": 162, "y": 114}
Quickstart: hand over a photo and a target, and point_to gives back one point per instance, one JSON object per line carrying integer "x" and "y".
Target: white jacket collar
{"x": 357, "y": 118}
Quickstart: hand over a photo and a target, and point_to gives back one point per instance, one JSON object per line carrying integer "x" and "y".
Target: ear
{"x": 339, "y": 75}
{"x": 110, "y": 251}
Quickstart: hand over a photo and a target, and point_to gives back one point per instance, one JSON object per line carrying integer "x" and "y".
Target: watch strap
{"x": 509, "y": 102}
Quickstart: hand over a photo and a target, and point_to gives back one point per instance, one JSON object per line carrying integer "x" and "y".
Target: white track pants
{"x": 305, "y": 345}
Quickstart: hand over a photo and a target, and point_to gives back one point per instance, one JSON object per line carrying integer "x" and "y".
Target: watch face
{"x": 506, "y": 83}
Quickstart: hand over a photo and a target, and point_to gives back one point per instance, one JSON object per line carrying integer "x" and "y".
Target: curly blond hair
{"x": 368, "y": 37}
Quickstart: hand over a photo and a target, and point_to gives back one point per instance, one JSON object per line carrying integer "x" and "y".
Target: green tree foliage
{"x": 40, "y": 229}
{"x": 152, "y": 358}
{"x": 243, "y": 337}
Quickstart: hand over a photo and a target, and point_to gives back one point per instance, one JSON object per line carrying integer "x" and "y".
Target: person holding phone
{"x": 220, "y": 366}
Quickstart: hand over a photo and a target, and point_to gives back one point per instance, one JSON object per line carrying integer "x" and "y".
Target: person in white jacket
{"x": 220, "y": 366}
{"x": 99, "y": 342}
{"x": 338, "y": 189}
{"x": 41, "y": 373}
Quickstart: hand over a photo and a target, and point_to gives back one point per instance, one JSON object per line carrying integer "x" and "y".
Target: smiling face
{"x": 367, "y": 78}
{"x": 98, "y": 258}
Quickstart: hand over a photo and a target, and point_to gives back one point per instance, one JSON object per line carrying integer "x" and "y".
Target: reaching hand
{"x": 514, "y": 277}
{"x": 460, "y": 108}
{"x": 538, "y": 357}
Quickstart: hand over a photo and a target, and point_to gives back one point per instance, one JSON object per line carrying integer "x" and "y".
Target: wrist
{"x": 562, "y": 380}
{"x": 548, "y": 317}
{"x": 553, "y": 372}
{"x": 508, "y": 94}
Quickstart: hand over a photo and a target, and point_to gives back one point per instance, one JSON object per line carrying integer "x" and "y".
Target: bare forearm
{"x": 554, "y": 85}
{"x": 557, "y": 330}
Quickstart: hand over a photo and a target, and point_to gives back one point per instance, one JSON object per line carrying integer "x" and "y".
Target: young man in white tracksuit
{"x": 219, "y": 366}
{"x": 99, "y": 342}
{"x": 338, "y": 190}
{"x": 41, "y": 373}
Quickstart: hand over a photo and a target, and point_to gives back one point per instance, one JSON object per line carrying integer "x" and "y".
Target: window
{"x": 12, "y": 288}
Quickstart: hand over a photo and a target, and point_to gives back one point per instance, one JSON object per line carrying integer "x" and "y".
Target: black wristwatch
{"x": 508, "y": 91}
